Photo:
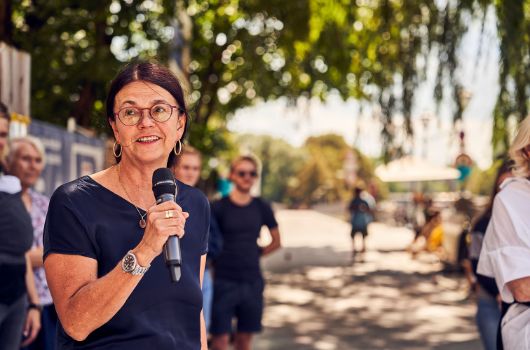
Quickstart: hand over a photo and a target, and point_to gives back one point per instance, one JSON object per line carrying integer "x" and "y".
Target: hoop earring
{"x": 175, "y": 148}
{"x": 114, "y": 149}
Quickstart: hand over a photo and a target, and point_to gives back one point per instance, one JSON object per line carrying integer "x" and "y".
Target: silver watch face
{"x": 129, "y": 262}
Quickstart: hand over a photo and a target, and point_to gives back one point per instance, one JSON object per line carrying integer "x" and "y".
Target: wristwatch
{"x": 35, "y": 306}
{"x": 129, "y": 264}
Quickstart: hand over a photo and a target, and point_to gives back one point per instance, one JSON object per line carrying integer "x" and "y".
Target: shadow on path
{"x": 317, "y": 299}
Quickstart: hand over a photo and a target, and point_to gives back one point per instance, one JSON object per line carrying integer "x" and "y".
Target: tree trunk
{"x": 83, "y": 107}
{"x": 6, "y": 24}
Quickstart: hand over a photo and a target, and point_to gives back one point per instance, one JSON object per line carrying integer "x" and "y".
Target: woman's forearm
{"x": 83, "y": 301}
{"x": 96, "y": 303}
{"x": 35, "y": 256}
{"x": 30, "y": 283}
{"x": 520, "y": 288}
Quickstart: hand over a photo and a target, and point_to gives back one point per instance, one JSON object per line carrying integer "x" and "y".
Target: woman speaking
{"x": 104, "y": 234}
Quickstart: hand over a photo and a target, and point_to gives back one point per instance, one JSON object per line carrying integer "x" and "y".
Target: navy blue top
{"x": 16, "y": 236}
{"x": 85, "y": 218}
{"x": 215, "y": 240}
{"x": 240, "y": 228}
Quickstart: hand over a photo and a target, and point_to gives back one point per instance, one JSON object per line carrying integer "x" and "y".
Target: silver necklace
{"x": 142, "y": 222}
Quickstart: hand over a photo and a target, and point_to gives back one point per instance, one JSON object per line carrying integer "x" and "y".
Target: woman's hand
{"x": 163, "y": 220}
{"x": 31, "y": 327}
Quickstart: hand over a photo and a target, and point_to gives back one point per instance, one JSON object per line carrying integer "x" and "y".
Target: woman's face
{"x": 26, "y": 164}
{"x": 4, "y": 129}
{"x": 148, "y": 141}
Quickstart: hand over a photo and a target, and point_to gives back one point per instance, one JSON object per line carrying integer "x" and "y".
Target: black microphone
{"x": 165, "y": 189}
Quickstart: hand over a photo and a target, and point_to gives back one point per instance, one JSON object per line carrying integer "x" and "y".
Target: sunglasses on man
{"x": 242, "y": 173}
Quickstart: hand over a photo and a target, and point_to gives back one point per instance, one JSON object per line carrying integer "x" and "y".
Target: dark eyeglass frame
{"x": 243, "y": 173}
{"x": 149, "y": 109}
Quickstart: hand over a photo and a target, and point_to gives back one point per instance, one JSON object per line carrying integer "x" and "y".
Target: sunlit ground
{"x": 317, "y": 299}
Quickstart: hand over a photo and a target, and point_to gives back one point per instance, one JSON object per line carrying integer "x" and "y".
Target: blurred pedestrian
{"x": 8, "y": 183}
{"x": 26, "y": 160}
{"x": 19, "y": 302}
{"x": 104, "y": 233}
{"x": 187, "y": 169}
{"x": 505, "y": 253}
{"x": 488, "y": 306}
{"x": 360, "y": 217}
{"x": 238, "y": 281}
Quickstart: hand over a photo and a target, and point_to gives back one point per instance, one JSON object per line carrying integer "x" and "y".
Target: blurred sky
{"x": 478, "y": 76}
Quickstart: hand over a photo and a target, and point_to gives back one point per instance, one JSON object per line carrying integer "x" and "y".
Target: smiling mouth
{"x": 148, "y": 139}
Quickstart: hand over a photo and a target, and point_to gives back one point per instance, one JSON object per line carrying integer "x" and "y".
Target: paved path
{"x": 317, "y": 299}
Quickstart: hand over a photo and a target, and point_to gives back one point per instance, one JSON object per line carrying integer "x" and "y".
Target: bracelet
{"x": 35, "y": 306}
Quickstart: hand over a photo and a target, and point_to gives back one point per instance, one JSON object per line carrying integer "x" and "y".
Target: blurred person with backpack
{"x": 361, "y": 216}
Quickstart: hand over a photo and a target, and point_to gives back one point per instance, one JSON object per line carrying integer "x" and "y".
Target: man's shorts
{"x": 356, "y": 231}
{"x": 237, "y": 299}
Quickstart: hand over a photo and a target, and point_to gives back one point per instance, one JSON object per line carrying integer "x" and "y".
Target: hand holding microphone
{"x": 165, "y": 190}
{"x": 165, "y": 223}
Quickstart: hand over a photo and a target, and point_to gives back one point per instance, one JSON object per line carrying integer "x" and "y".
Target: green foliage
{"x": 513, "y": 23}
{"x": 481, "y": 182}
{"x": 234, "y": 53}
{"x": 313, "y": 173}
{"x": 280, "y": 163}
{"x": 322, "y": 178}
{"x": 70, "y": 43}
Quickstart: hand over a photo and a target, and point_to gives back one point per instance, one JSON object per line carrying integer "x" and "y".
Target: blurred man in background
{"x": 238, "y": 283}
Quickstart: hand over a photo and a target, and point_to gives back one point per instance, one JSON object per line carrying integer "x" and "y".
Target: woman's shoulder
{"x": 514, "y": 188}
{"x": 76, "y": 189}
{"x": 512, "y": 200}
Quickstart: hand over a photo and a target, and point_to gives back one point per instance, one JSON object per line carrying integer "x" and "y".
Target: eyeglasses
{"x": 161, "y": 112}
{"x": 242, "y": 173}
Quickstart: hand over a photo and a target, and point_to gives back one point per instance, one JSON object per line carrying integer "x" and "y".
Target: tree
{"x": 280, "y": 163}
{"x": 321, "y": 179}
{"x": 235, "y": 53}
{"x": 78, "y": 46}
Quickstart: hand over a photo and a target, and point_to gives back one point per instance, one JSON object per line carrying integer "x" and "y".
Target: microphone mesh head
{"x": 163, "y": 182}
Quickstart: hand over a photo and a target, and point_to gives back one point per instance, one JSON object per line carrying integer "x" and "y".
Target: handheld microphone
{"x": 165, "y": 189}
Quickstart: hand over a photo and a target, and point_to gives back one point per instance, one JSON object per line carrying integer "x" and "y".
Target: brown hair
{"x": 152, "y": 73}
{"x": 4, "y": 112}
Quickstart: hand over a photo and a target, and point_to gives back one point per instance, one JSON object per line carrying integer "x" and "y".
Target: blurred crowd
{"x": 492, "y": 243}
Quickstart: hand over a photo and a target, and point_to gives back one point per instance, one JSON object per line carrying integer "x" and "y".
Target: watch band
{"x": 129, "y": 264}
{"x": 139, "y": 270}
{"x": 35, "y": 306}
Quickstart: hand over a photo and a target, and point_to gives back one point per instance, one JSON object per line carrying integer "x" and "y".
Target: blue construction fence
{"x": 69, "y": 155}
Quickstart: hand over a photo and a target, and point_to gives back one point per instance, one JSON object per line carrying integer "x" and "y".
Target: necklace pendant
{"x": 142, "y": 223}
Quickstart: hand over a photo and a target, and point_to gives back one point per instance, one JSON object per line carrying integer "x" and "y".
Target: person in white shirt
{"x": 505, "y": 252}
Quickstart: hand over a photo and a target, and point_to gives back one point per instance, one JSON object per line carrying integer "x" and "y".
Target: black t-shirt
{"x": 16, "y": 231}
{"x": 240, "y": 227}
{"x": 85, "y": 218}
{"x": 16, "y": 237}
